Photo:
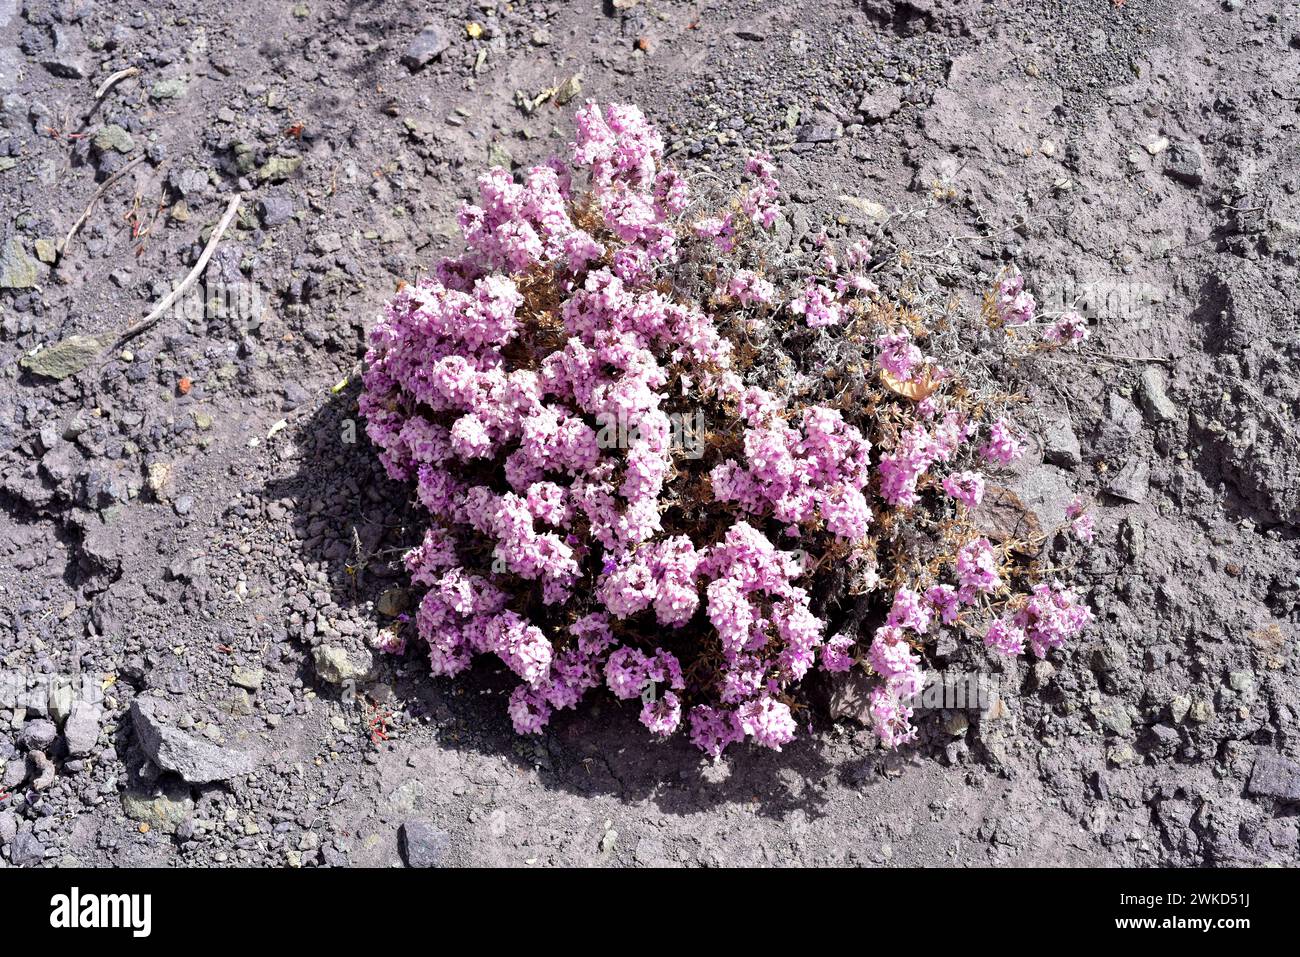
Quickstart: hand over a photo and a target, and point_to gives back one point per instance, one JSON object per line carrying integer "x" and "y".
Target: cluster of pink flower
{"x": 1069, "y": 329}
{"x": 758, "y": 203}
{"x": 899, "y": 667}
{"x": 891, "y": 654}
{"x": 898, "y": 355}
{"x": 1002, "y": 447}
{"x": 965, "y": 487}
{"x": 548, "y": 547}
{"x": 1082, "y": 525}
{"x": 749, "y": 288}
{"x": 1014, "y": 303}
{"x": 916, "y": 451}
{"x": 796, "y": 475}
{"x": 1050, "y": 618}
{"x": 511, "y": 455}
{"x": 818, "y": 304}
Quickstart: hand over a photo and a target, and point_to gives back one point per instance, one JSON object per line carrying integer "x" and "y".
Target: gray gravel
{"x": 194, "y": 507}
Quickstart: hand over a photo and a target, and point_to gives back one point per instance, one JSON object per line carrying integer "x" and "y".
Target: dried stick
{"x": 1119, "y": 357}
{"x": 113, "y": 80}
{"x": 161, "y": 309}
{"x": 104, "y": 188}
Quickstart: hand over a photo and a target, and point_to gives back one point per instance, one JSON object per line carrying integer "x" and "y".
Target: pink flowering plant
{"x": 533, "y": 389}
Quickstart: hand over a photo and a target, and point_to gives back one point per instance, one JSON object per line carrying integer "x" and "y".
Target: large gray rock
{"x": 66, "y": 58}
{"x": 429, "y": 43}
{"x": 821, "y": 132}
{"x": 26, "y": 849}
{"x": 164, "y": 811}
{"x": 195, "y": 759}
{"x": 848, "y": 696}
{"x": 1061, "y": 445}
{"x": 1046, "y": 492}
{"x": 1185, "y": 163}
{"x": 1003, "y": 516}
{"x": 81, "y": 730}
{"x": 1154, "y": 397}
{"x": 333, "y": 664}
{"x": 422, "y": 844}
{"x": 38, "y": 735}
{"x": 17, "y": 269}
{"x": 1275, "y": 776}
{"x": 1027, "y": 511}
{"x": 881, "y": 105}
{"x": 15, "y": 773}
{"x": 275, "y": 209}
{"x": 1132, "y": 483}
{"x": 64, "y": 358}
{"x": 1119, "y": 427}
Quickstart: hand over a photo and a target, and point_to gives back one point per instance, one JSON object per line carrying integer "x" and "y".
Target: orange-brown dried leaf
{"x": 913, "y": 389}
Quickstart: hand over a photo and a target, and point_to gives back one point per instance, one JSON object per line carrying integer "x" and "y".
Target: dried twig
{"x": 1119, "y": 357}
{"x": 104, "y": 188}
{"x": 161, "y": 309}
{"x": 116, "y": 78}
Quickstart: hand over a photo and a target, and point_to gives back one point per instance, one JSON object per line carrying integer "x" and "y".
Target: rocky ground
{"x": 196, "y": 542}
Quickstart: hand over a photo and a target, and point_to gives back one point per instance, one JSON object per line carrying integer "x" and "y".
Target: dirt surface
{"x": 194, "y": 530}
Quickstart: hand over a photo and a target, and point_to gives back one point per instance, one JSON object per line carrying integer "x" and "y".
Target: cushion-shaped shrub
{"x": 615, "y": 501}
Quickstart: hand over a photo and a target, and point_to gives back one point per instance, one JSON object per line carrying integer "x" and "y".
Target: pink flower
{"x": 965, "y": 487}
{"x": 759, "y": 202}
{"x": 529, "y": 711}
{"x": 625, "y": 673}
{"x": 900, "y": 671}
{"x": 977, "y": 570}
{"x": 1002, "y": 447}
{"x": 712, "y": 729}
{"x": 818, "y": 306}
{"x": 836, "y": 653}
{"x": 434, "y": 555}
{"x": 1052, "y": 617}
{"x": 909, "y": 611}
{"x": 898, "y": 354}
{"x": 1081, "y": 521}
{"x": 1070, "y": 329}
{"x": 617, "y": 145}
{"x": 768, "y": 722}
{"x": 672, "y": 192}
{"x": 944, "y": 600}
{"x": 792, "y": 473}
{"x": 890, "y": 718}
{"x": 1015, "y": 306}
{"x": 749, "y": 288}
{"x": 893, "y": 659}
{"x": 1005, "y": 638}
{"x": 662, "y": 715}
{"x": 528, "y": 390}
{"x": 720, "y": 230}
{"x": 902, "y": 468}
{"x": 846, "y": 512}
{"x": 389, "y": 640}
